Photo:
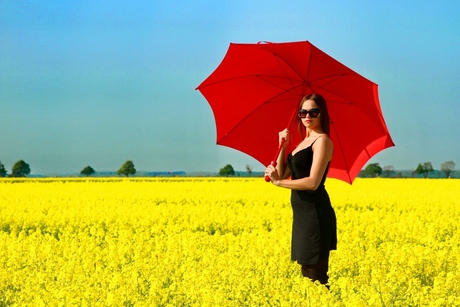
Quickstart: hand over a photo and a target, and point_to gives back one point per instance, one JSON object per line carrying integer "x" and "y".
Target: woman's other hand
{"x": 284, "y": 135}
{"x": 272, "y": 173}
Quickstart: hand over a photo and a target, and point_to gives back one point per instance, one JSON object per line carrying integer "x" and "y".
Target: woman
{"x": 314, "y": 223}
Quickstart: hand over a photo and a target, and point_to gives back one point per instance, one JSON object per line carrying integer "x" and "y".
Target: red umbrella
{"x": 255, "y": 91}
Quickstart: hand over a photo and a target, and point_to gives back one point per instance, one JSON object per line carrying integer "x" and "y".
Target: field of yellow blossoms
{"x": 222, "y": 242}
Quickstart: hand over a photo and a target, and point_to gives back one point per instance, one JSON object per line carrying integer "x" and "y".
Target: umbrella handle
{"x": 273, "y": 163}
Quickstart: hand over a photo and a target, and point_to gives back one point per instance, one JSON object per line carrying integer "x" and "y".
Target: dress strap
{"x": 315, "y": 140}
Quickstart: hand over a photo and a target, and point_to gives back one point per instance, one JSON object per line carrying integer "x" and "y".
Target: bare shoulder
{"x": 325, "y": 140}
{"x": 324, "y": 143}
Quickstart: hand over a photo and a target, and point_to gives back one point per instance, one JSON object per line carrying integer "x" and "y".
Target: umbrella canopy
{"x": 255, "y": 92}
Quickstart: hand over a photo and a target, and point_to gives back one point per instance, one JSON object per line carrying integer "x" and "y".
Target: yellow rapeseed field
{"x": 222, "y": 242}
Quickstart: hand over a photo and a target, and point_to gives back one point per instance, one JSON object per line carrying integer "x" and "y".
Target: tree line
{"x": 371, "y": 170}
{"x": 424, "y": 169}
{"x": 21, "y": 169}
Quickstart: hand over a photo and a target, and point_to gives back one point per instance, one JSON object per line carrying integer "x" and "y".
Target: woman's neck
{"x": 314, "y": 132}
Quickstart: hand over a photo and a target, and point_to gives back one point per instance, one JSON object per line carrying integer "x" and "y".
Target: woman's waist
{"x": 320, "y": 189}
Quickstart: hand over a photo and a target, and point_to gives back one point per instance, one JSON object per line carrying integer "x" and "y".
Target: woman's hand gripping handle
{"x": 284, "y": 136}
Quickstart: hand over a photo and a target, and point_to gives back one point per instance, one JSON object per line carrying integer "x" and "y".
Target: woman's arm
{"x": 322, "y": 150}
{"x": 281, "y": 167}
{"x": 283, "y": 171}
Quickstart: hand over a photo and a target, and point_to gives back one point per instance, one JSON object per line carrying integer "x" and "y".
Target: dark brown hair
{"x": 324, "y": 117}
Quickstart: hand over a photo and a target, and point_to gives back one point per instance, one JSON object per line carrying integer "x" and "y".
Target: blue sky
{"x": 101, "y": 82}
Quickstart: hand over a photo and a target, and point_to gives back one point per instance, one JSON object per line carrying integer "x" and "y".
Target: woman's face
{"x": 312, "y": 119}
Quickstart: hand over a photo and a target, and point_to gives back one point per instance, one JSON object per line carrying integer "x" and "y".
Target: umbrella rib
{"x": 307, "y": 84}
{"x": 347, "y": 101}
{"x": 293, "y": 86}
{"x": 279, "y": 59}
{"x": 332, "y": 78}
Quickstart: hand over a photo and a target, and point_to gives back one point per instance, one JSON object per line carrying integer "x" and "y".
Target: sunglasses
{"x": 314, "y": 113}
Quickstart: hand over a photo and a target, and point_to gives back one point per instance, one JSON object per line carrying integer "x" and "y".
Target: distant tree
{"x": 87, "y": 171}
{"x": 424, "y": 169}
{"x": 20, "y": 169}
{"x": 127, "y": 169}
{"x": 448, "y": 167}
{"x": 227, "y": 170}
{"x": 428, "y": 168}
{"x": 249, "y": 169}
{"x": 388, "y": 170}
{"x": 373, "y": 170}
{"x": 419, "y": 170}
{"x": 2, "y": 170}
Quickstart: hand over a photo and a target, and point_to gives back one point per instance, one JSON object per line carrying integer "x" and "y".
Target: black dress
{"x": 314, "y": 227}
